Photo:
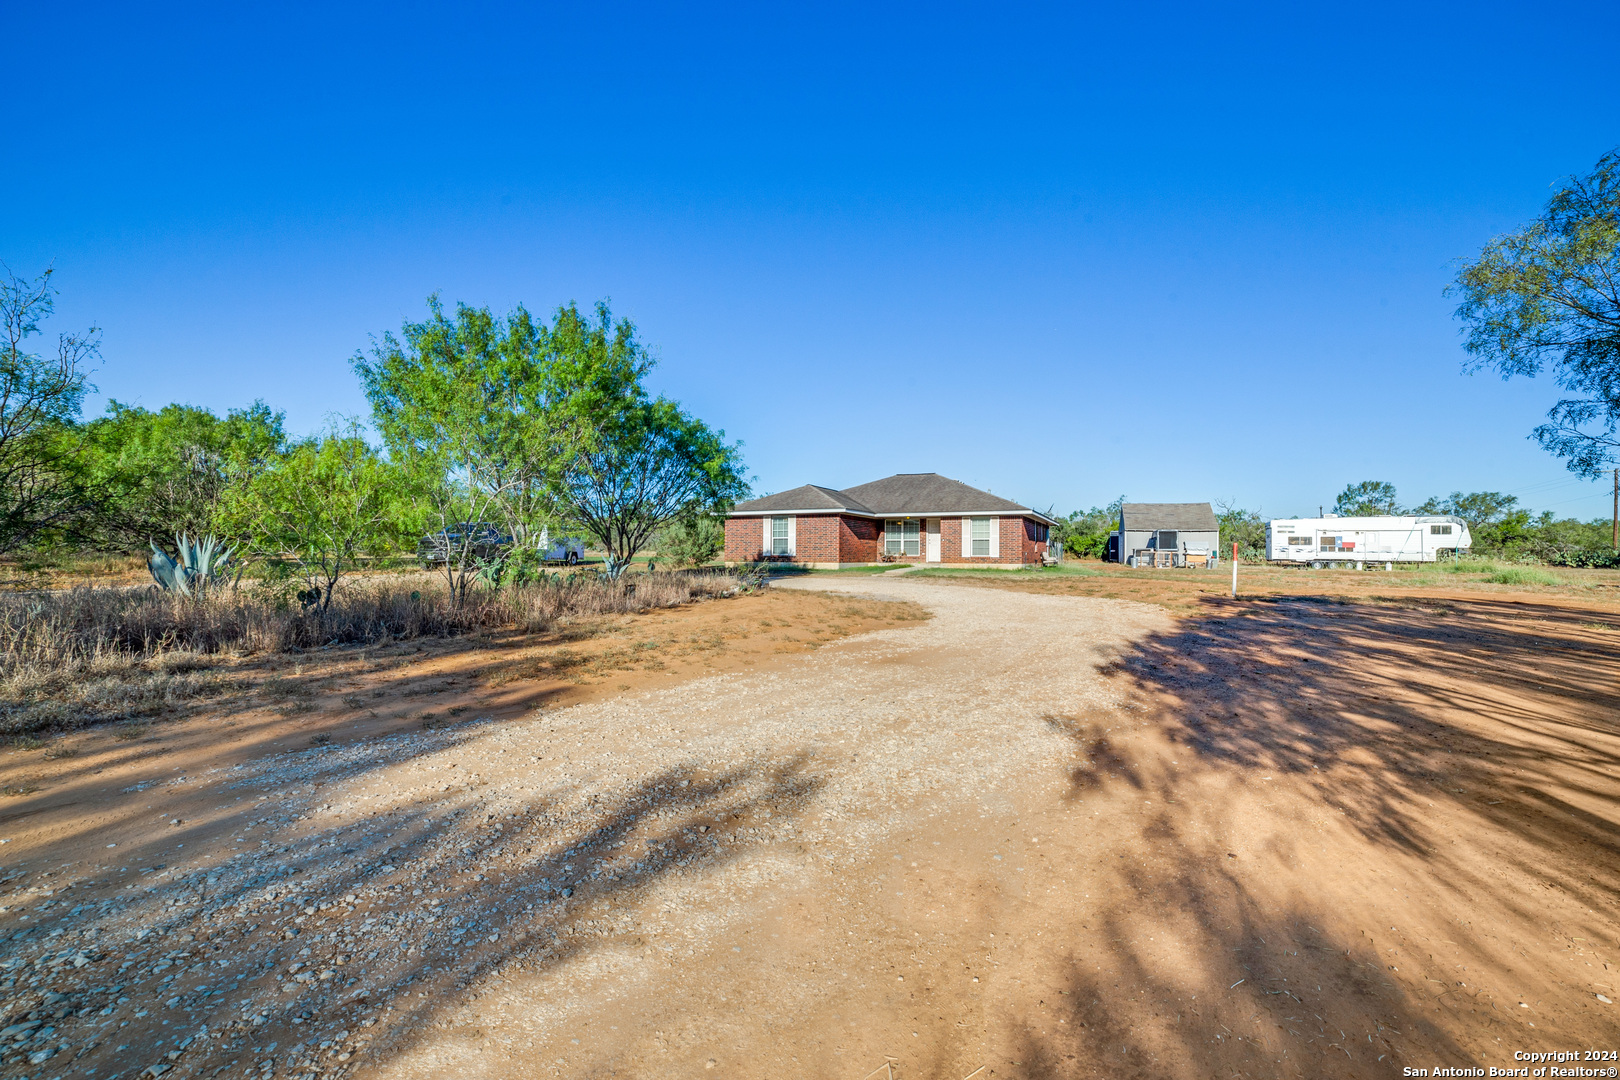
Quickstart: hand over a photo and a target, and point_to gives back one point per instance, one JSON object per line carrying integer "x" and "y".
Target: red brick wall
{"x": 858, "y": 540}
{"x": 745, "y": 539}
{"x": 950, "y": 539}
{"x": 835, "y": 538}
{"x": 1033, "y": 549}
{"x": 1017, "y": 543}
{"x": 817, "y": 538}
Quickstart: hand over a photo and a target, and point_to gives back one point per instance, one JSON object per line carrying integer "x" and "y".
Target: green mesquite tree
{"x": 321, "y": 506}
{"x": 40, "y": 398}
{"x": 1548, "y": 297}
{"x": 149, "y": 474}
{"x": 467, "y": 406}
{"x": 647, "y": 464}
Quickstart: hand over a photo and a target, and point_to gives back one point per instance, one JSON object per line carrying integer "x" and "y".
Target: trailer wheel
{"x": 573, "y": 559}
{"x": 1316, "y": 564}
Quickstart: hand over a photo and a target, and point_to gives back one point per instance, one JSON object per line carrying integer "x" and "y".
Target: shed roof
{"x": 1147, "y": 517}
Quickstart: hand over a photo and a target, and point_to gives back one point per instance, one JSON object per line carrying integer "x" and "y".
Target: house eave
{"x": 877, "y": 515}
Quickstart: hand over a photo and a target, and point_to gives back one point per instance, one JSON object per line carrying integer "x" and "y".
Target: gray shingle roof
{"x": 928, "y": 493}
{"x": 808, "y": 497}
{"x": 908, "y": 494}
{"x": 1192, "y": 517}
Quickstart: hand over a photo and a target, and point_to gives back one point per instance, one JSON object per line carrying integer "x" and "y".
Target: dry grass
{"x": 1191, "y": 592}
{"x": 90, "y": 655}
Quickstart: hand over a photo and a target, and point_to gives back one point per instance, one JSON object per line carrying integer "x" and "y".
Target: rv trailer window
{"x": 1329, "y": 543}
{"x": 1299, "y": 541}
{"x": 1439, "y": 530}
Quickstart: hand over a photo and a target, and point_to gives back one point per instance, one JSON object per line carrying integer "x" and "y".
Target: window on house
{"x": 900, "y": 538}
{"x": 779, "y": 536}
{"x": 981, "y": 537}
{"x": 1439, "y": 530}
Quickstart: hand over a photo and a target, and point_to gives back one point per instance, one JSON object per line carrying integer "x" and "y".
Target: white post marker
{"x": 1234, "y": 570}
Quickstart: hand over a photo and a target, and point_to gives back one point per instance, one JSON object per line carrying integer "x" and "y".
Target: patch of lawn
{"x": 1469, "y": 566}
{"x": 786, "y": 570}
{"x": 1523, "y": 575}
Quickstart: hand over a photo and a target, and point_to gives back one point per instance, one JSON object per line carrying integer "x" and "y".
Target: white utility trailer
{"x": 1358, "y": 541}
{"x": 561, "y": 549}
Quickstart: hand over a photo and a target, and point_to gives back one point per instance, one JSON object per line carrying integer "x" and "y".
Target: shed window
{"x": 900, "y": 538}
{"x": 779, "y": 536}
{"x": 1439, "y": 530}
{"x": 1169, "y": 540}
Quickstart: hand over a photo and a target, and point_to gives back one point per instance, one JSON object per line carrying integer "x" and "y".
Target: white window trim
{"x": 995, "y": 538}
{"x": 768, "y": 535}
{"x": 900, "y": 537}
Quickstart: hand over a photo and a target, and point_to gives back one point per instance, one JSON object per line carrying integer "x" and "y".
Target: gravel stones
{"x": 388, "y": 875}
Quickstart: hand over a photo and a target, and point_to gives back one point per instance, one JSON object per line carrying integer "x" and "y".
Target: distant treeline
{"x": 1501, "y": 528}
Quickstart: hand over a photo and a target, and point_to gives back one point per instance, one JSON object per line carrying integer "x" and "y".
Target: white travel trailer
{"x": 1357, "y": 541}
{"x": 563, "y": 549}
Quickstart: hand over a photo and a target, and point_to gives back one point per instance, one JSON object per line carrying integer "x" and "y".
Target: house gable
{"x": 833, "y": 527}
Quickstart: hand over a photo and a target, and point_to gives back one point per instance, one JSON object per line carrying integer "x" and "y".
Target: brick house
{"x": 910, "y": 517}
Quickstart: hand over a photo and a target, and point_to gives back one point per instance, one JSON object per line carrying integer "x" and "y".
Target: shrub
{"x": 692, "y": 541}
{"x": 1587, "y": 559}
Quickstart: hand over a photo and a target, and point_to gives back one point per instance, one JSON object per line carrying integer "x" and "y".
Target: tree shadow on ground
{"x": 1191, "y": 975}
{"x": 1500, "y": 710}
{"x": 387, "y": 913}
{"x": 1493, "y": 717}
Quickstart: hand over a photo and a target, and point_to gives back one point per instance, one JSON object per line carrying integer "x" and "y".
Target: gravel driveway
{"x": 811, "y": 780}
{"x": 659, "y": 881}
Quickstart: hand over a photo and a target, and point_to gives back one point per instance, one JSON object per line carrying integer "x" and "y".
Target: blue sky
{"x": 1189, "y": 252}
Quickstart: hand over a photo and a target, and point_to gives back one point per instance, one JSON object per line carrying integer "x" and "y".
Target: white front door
{"x": 933, "y": 539}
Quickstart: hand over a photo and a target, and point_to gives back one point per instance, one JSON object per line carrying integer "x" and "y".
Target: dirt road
{"x": 1045, "y": 836}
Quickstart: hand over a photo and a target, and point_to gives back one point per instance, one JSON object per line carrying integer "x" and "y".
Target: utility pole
{"x": 1617, "y": 511}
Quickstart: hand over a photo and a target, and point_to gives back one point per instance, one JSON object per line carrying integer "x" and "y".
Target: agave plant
{"x": 202, "y": 565}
